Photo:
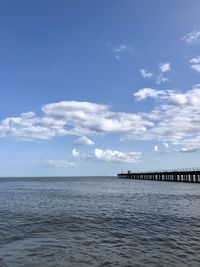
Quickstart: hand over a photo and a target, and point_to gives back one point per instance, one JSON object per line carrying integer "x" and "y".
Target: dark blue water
{"x": 98, "y": 222}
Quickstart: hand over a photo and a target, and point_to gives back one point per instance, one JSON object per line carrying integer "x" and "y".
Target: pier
{"x": 183, "y": 175}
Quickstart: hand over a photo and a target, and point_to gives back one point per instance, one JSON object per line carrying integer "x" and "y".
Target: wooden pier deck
{"x": 188, "y": 176}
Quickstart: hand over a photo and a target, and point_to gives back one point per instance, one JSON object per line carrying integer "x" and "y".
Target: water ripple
{"x": 98, "y": 222}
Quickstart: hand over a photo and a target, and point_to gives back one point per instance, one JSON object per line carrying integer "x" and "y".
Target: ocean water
{"x": 93, "y": 221}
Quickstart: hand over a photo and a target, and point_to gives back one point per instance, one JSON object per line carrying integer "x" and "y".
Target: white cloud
{"x": 146, "y": 74}
{"x": 178, "y": 99}
{"x": 165, "y": 67}
{"x": 196, "y": 67}
{"x": 29, "y": 127}
{"x": 166, "y": 145}
{"x": 75, "y": 153}
{"x": 83, "y": 118}
{"x": 97, "y": 154}
{"x": 152, "y": 93}
{"x": 161, "y": 79}
{"x": 195, "y": 63}
{"x": 83, "y": 140}
{"x": 176, "y": 118}
{"x": 192, "y": 37}
{"x": 28, "y": 115}
{"x": 121, "y": 50}
{"x": 71, "y": 118}
{"x": 195, "y": 60}
{"x": 116, "y": 156}
{"x": 188, "y": 150}
{"x": 59, "y": 163}
{"x": 161, "y": 76}
{"x": 171, "y": 96}
{"x": 156, "y": 148}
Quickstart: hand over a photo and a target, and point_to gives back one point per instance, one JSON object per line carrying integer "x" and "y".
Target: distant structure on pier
{"x": 180, "y": 175}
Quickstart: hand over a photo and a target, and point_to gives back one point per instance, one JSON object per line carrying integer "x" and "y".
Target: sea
{"x": 98, "y": 221}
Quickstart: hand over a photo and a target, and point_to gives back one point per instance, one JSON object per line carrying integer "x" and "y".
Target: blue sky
{"x": 95, "y": 87}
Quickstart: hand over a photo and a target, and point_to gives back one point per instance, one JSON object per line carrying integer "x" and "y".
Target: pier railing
{"x": 175, "y": 175}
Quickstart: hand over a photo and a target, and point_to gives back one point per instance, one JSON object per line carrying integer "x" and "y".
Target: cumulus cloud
{"x": 196, "y": 67}
{"x": 29, "y": 127}
{"x": 160, "y": 77}
{"x": 176, "y": 118}
{"x": 192, "y": 37}
{"x": 150, "y": 92}
{"x": 195, "y": 63}
{"x": 75, "y": 153}
{"x": 195, "y": 60}
{"x": 83, "y": 140}
{"x": 165, "y": 67}
{"x": 116, "y": 156}
{"x": 72, "y": 118}
{"x": 97, "y": 154}
{"x": 172, "y": 97}
{"x": 146, "y": 74}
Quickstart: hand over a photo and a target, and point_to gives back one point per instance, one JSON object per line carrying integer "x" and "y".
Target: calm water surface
{"x": 98, "y": 222}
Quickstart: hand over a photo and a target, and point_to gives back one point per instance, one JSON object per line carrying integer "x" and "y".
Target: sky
{"x": 93, "y": 87}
